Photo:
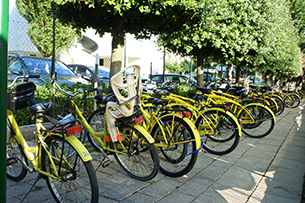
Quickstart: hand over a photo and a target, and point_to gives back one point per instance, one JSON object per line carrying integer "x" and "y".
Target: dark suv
{"x": 174, "y": 78}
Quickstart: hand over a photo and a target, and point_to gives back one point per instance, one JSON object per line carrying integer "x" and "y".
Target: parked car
{"x": 174, "y": 78}
{"x": 87, "y": 72}
{"x": 148, "y": 85}
{"x": 31, "y": 65}
{"x": 210, "y": 78}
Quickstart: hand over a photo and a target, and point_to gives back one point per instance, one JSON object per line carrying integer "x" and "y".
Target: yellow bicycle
{"x": 176, "y": 137}
{"x": 57, "y": 155}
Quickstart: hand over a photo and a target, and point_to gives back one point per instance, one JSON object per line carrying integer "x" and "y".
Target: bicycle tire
{"x": 280, "y": 104}
{"x": 96, "y": 122}
{"x": 80, "y": 178}
{"x": 218, "y": 143}
{"x": 272, "y": 104}
{"x": 14, "y": 169}
{"x": 296, "y": 99}
{"x": 175, "y": 160}
{"x": 137, "y": 156}
{"x": 288, "y": 100}
{"x": 263, "y": 118}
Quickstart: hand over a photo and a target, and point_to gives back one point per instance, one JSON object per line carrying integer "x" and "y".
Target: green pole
{"x": 3, "y": 86}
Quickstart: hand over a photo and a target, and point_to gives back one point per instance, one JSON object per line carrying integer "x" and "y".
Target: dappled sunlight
{"x": 299, "y": 118}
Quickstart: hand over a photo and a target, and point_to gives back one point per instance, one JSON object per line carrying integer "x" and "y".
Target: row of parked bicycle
{"x": 145, "y": 134}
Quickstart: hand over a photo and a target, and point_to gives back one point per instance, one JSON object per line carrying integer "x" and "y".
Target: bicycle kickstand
{"x": 37, "y": 179}
{"x": 105, "y": 161}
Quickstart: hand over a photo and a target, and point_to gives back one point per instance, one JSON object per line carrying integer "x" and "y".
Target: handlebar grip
{"x": 34, "y": 76}
{"x": 91, "y": 90}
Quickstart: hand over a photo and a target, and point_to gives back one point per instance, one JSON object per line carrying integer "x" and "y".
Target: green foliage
{"x": 240, "y": 33}
{"x": 183, "y": 90}
{"x": 139, "y": 17}
{"x": 62, "y": 104}
{"x": 279, "y": 52}
{"x": 39, "y": 14}
{"x": 297, "y": 11}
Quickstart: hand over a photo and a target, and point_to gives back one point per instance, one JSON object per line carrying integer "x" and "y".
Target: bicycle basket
{"x": 18, "y": 97}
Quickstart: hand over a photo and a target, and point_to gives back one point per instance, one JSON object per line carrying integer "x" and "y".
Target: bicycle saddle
{"x": 161, "y": 92}
{"x": 103, "y": 99}
{"x": 40, "y": 107}
{"x": 197, "y": 97}
{"x": 158, "y": 101}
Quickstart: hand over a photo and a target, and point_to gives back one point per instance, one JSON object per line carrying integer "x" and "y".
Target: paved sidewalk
{"x": 269, "y": 169}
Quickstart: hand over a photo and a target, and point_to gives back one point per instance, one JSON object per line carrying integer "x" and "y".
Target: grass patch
{"x": 37, "y": 188}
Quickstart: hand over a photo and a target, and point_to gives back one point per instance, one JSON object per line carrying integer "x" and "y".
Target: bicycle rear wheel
{"x": 136, "y": 155}
{"x": 14, "y": 168}
{"x": 96, "y": 122}
{"x": 78, "y": 180}
{"x": 296, "y": 99}
{"x": 179, "y": 156}
{"x": 262, "y": 125}
{"x": 291, "y": 100}
{"x": 225, "y": 137}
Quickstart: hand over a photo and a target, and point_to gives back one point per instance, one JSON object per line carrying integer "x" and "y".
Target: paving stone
{"x": 139, "y": 198}
{"x": 162, "y": 188}
{"x": 175, "y": 197}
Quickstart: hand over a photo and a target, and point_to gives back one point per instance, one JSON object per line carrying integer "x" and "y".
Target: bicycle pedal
{"x": 106, "y": 163}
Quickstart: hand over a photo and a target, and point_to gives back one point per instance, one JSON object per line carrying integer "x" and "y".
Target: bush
{"x": 62, "y": 104}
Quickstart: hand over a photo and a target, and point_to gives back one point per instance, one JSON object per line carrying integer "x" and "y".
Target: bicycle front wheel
{"x": 78, "y": 182}
{"x": 136, "y": 155}
{"x": 219, "y": 131}
{"x": 14, "y": 168}
{"x": 280, "y": 104}
{"x": 257, "y": 121}
{"x": 176, "y": 147}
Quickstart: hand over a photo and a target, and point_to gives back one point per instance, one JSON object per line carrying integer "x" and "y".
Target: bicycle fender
{"x": 230, "y": 114}
{"x": 80, "y": 148}
{"x": 266, "y": 107}
{"x": 192, "y": 126}
{"x": 144, "y": 132}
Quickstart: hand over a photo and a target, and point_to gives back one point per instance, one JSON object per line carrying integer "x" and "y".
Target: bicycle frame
{"x": 103, "y": 138}
{"x": 196, "y": 112}
{"x": 152, "y": 119}
{"x": 30, "y": 151}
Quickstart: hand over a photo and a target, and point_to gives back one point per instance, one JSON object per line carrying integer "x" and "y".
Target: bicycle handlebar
{"x": 22, "y": 77}
{"x": 79, "y": 91}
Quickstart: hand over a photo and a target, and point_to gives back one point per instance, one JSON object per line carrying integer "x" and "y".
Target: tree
{"x": 39, "y": 15}
{"x": 179, "y": 67}
{"x": 241, "y": 33}
{"x": 297, "y": 12}
{"x": 223, "y": 31}
{"x": 139, "y": 17}
{"x": 279, "y": 52}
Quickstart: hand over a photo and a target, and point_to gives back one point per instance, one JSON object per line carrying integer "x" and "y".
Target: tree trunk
{"x": 200, "y": 69}
{"x": 237, "y": 76}
{"x": 117, "y": 46}
{"x": 267, "y": 76}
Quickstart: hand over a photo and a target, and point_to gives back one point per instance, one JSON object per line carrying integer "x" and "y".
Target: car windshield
{"x": 43, "y": 67}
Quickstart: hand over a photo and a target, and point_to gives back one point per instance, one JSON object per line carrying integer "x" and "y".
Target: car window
{"x": 82, "y": 71}
{"x": 157, "y": 78}
{"x": 43, "y": 67}
{"x": 183, "y": 79}
{"x": 14, "y": 67}
{"x": 168, "y": 78}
